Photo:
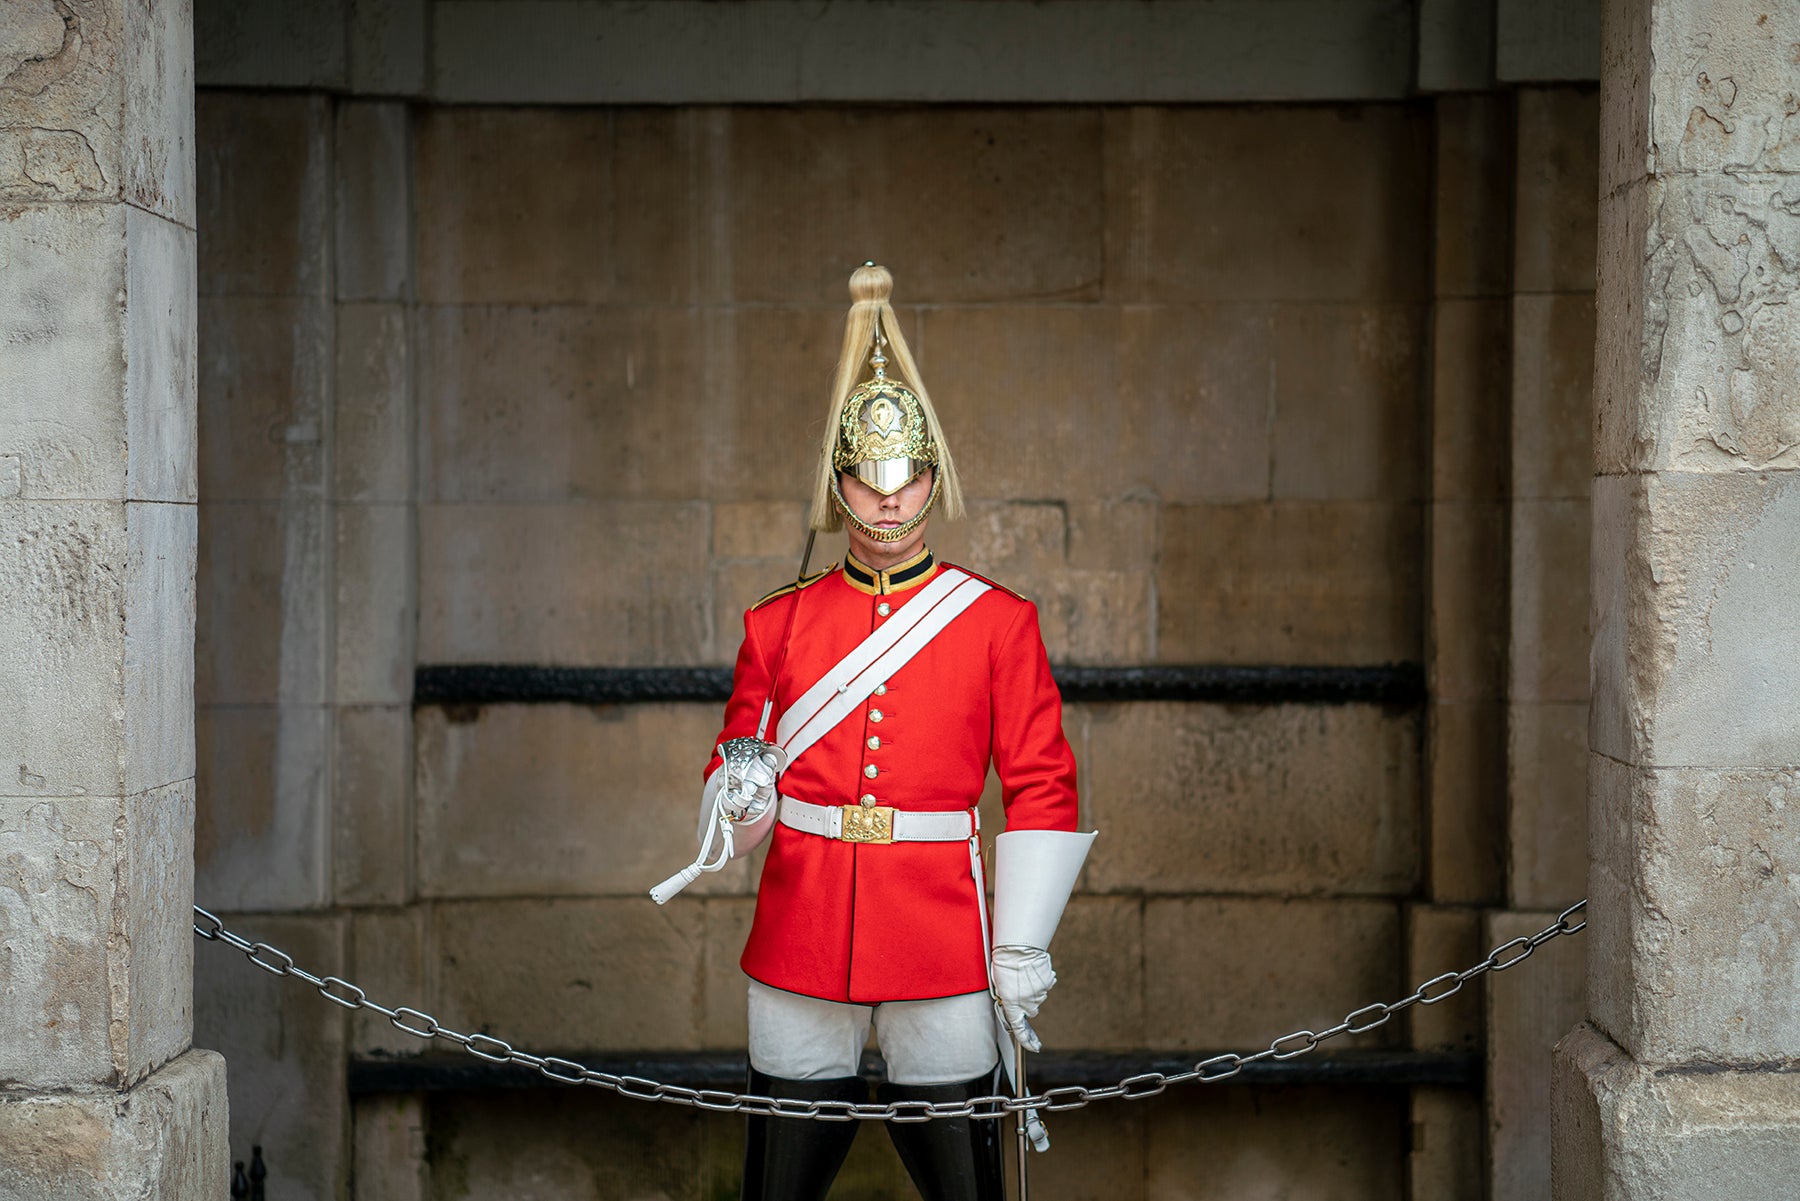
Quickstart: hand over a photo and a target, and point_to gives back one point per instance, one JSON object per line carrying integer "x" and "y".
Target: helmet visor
{"x": 888, "y": 476}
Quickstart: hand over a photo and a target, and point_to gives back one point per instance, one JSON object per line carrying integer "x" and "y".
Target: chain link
{"x": 1133, "y": 1088}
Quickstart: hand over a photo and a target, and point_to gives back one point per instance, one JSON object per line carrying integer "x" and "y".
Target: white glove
{"x": 1022, "y": 980}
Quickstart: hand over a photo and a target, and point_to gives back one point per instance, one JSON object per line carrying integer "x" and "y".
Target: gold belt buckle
{"x": 872, "y": 824}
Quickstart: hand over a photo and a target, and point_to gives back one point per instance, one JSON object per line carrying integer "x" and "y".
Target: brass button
{"x": 883, "y": 609}
{"x": 870, "y": 771}
{"x": 881, "y": 690}
{"x": 874, "y": 743}
{"x": 874, "y": 715}
{"x": 868, "y": 800}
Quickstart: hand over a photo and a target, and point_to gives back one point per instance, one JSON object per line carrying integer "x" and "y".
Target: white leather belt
{"x": 878, "y": 823}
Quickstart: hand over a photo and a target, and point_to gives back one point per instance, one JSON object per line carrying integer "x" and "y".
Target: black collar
{"x": 898, "y": 578}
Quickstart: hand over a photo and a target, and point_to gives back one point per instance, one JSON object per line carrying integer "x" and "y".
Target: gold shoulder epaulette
{"x": 794, "y": 586}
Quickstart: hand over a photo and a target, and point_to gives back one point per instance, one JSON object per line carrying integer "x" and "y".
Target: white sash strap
{"x": 910, "y": 825}
{"x": 881, "y": 654}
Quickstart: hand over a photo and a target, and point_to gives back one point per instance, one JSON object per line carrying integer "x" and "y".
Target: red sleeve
{"x": 749, "y": 689}
{"x": 1031, "y": 755}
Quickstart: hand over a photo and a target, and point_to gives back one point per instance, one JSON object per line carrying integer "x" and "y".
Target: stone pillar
{"x": 100, "y": 1093}
{"x": 1675, "y": 1086}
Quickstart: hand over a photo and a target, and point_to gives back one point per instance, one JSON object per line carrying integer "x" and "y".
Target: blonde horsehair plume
{"x": 870, "y": 287}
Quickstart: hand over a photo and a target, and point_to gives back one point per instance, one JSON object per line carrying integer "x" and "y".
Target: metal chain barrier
{"x": 1133, "y": 1088}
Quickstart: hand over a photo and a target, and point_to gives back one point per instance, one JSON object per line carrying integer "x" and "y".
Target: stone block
{"x": 372, "y": 407}
{"x": 1288, "y": 799}
{"x": 1545, "y": 40}
{"x": 1210, "y": 982}
{"x": 737, "y": 586}
{"x": 62, "y": 270}
{"x": 391, "y": 961}
{"x": 388, "y": 1131}
{"x": 593, "y": 975}
{"x": 621, "y": 582}
{"x": 1546, "y": 823}
{"x": 1236, "y": 1142}
{"x": 1289, "y": 583}
{"x": 1347, "y": 420}
{"x": 387, "y": 47}
{"x": 1548, "y": 655}
{"x": 603, "y": 799}
{"x": 1467, "y": 635}
{"x": 1630, "y": 1130}
{"x": 372, "y": 163}
{"x": 1557, "y": 187}
{"x": 764, "y": 529}
{"x": 1552, "y": 396}
{"x": 1098, "y": 1001}
{"x": 1026, "y": 181}
{"x": 1456, "y": 46}
{"x": 158, "y": 665}
{"x": 271, "y": 44}
{"x": 165, "y": 1137}
{"x": 265, "y": 190}
{"x": 261, "y": 615}
{"x": 265, "y": 372}
{"x": 160, "y": 369}
{"x": 371, "y": 804}
{"x": 1698, "y": 329}
{"x": 724, "y": 1003}
{"x": 1098, "y": 1154}
{"x": 260, "y": 834}
{"x": 63, "y": 652}
{"x": 1465, "y": 802}
{"x": 155, "y": 864}
{"x": 1439, "y": 939}
{"x": 1470, "y": 342}
{"x": 1344, "y": 225}
{"x": 566, "y": 403}
{"x": 1697, "y": 582}
{"x": 1528, "y": 1010}
{"x": 1444, "y": 1162}
{"x": 1691, "y": 883}
{"x": 376, "y": 614}
{"x": 284, "y": 1049}
{"x": 1112, "y": 535}
{"x": 1472, "y": 137}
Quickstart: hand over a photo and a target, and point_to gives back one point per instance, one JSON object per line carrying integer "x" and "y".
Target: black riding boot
{"x": 949, "y": 1159}
{"x": 796, "y": 1159}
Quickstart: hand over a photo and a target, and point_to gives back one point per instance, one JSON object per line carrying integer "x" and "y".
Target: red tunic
{"x": 896, "y": 921}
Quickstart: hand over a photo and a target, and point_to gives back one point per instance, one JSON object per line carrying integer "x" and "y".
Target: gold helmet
{"x": 883, "y": 430}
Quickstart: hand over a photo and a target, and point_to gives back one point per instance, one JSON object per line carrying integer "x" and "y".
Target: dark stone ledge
{"x": 726, "y": 1069}
{"x": 523, "y": 684}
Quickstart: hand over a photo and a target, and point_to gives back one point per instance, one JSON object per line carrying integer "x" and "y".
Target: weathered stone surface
{"x": 372, "y": 163}
{"x": 1698, "y": 290}
{"x": 737, "y": 586}
{"x": 1345, "y": 227}
{"x": 1556, "y": 187}
{"x": 1546, "y": 821}
{"x": 391, "y": 961}
{"x": 1099, "y": 1155}
{"x": 602, "y": 974}
{"x": 155, "y": 865}
{"x": 166, "y": 1138}
{"x": 388, "y": 1133}
{"x": 1346, "y": 420}
{"x": 1545, "y": 40}
{"x": 1287, "y": 799}
{"x": 1288, "y": 583}
{"x": 284, "y": 1051}
{"x": 271, "y": 44}
{"x": 1222, "y": 1143}
{"x": 765, "y": 530}
{"x": 621, "y": 582}
{"x": 371, "y": 420}
{"x": 1473, "y": 145}
{"x": 1548, "y": 654}
{"x": 371, "y": 805}
{"x": 260, "y": 834}
{"x": 724, "y": 1000}
{"x": 1467, "y": 632}
{"x": 160, "y": 369}
{"x": 1692, "y": 882}
{"x": 376, "y": 613}
{"x": 1552, "y": 396}
{"x": 1466, "y": 802}
{"x": 1445, "y": 1159}
{"x": 600, "y": 800}
{"x": 1210, "y": 981}
{"x": 1628, "y": 1131}
{"x": 1527, "y": 1011}
{"x": 1439, "y": 939}
{"x": 158, "y": 667}
{"x": 1098, "y": 1001}
{"x": 1470, "y": 344}
{"x": 261, "y": 635}
{"x": 265, "y": 193}
{"x": 1699, "y": 581}
{"x": 387, "y": 46}
{"x": 265, "y": 372}
{"x": 1112, "y": 535}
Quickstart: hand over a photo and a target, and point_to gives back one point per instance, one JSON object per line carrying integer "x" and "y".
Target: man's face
{"x": 886, "y": 512}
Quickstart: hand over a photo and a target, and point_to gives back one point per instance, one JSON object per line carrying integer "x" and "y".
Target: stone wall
{"x": 1230, "y": 385}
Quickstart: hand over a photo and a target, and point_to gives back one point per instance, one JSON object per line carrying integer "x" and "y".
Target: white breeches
{"x": 945, "y": 1040}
